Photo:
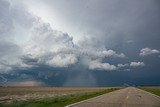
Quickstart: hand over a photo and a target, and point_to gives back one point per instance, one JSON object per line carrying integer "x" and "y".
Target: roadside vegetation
{"x": 153, "y": 90}
{"x": 58, "y": 101}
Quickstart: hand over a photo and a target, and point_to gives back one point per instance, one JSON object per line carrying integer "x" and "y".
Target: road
{"x": 128, "y": 97}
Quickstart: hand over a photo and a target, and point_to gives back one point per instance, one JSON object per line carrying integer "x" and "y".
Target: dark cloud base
{"x": 71, "y": 77}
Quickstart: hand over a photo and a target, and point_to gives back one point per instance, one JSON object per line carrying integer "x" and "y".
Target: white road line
{"x": 88, "y": 99}
{"x": 83, "y": 101}
{"x": 149, "y": 93}
{"x": 126, "y": 97}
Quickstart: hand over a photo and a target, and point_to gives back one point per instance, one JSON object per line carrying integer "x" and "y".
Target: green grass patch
{"x": 152, "y": 90}
{"x": 58, "y": 101}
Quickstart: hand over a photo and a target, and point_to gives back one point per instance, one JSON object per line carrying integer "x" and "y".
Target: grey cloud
{"x": 25, "y": 83}
{"x": 106, "y": 19}
{"x": 11, "y": 52}
{"x": 11, "y": 57}
{"x": 97, "y": 65}
{"x": 46, "y": 45}
{"x": 148, "y": 51}
{"x": 137, "y": 64}
{"x": 8, "y": 56}
{"x": 21, "y": 16}
{"x": 110, "y": 53}
{"x": 57, "y": 49}
{"x": 6, "y": 23}
{"x": 130, "y": 41}
{"x": 62, "y": 60}
{"x": 15, "y": 21}
{"x": 2, "y": 79}
{"x": 101, "y": 35}
{"x": 122, "y": 65}
{"x": 44, "y": 40}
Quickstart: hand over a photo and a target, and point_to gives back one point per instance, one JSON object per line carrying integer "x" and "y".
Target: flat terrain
{"x": 154, "y": 90}
{"x": 152, "y": 87}
{"x": 12, "y": 94}
{"x": 128, "y": 97}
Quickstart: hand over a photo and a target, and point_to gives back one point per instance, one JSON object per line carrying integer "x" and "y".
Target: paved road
{"x": 128, "y": 97}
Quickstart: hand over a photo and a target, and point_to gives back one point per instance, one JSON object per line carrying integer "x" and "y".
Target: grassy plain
{"x": 47, "y": 96}
{"x": 153, "y": 89}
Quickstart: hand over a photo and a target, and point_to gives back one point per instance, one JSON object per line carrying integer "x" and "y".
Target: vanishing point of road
{"x": 128, "y": 97}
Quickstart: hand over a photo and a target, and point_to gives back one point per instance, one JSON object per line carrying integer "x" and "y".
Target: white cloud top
{"x": 63, "y": 60}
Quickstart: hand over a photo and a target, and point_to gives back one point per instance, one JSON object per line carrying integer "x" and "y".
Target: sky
{"x": 79, "y": 42}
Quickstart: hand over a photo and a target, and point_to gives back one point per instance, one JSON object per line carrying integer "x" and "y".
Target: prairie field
{"x": 14, "y": 94}
{"x": 152, "y": 89}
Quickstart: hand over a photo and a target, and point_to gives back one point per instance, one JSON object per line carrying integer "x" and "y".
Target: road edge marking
{"x": 88, "y": 99}
{"x": 83, "y": 101}
{"x": 149, "y": 93}
{"x": 127, "y": 97}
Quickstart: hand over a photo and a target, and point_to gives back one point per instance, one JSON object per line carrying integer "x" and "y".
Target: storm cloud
{"x": 74, "y": 39}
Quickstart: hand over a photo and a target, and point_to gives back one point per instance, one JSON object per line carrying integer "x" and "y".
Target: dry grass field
{"x": 13, "y": 94}
{"x": 152, "y": 89}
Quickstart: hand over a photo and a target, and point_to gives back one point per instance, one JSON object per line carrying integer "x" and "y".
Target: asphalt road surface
{"x": 128, "y": 97}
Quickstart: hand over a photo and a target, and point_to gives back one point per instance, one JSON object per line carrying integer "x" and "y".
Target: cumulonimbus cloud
{"x": 45, "y": 45}
{"x": 56, "y": 49}
{"x": 148, "y": 51}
